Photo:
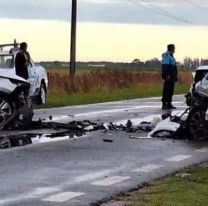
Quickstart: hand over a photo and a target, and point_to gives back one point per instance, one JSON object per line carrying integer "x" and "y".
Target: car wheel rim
{"x": 5, "y": 110}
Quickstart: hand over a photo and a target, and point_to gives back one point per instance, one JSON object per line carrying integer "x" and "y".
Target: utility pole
{"x": 73, "y": 43}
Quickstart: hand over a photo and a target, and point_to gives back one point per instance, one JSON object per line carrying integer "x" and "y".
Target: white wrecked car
{"x": 37, "y": 74}
{"x": 198, "y": 78}
{"x": 195, "y": 122}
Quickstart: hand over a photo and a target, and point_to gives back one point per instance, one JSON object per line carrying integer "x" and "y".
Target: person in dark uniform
{"x": 22, "y": 61}
{"x": 169, "y": 76}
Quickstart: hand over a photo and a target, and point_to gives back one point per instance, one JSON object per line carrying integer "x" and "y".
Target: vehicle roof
{"x": 204, "y": 67}
{"x": 5, "y": 53}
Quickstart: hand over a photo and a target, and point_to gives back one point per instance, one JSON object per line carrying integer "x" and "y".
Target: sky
{"x": 107, "y": 30}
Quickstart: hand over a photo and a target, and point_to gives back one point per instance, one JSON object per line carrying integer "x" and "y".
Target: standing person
{"x": 22, "y": 61}
{"x": 169, "y": 76}
{"x": 15, "y": 49}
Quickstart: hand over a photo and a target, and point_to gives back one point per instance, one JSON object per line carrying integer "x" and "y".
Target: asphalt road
{"x": 86, "y": 170}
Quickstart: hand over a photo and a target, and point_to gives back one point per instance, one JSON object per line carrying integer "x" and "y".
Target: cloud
{"x": 110, "y": 11}
{"x": 35, "y": 9}
{"x": 178, "y": 12}
{"x": 159, "y": 4}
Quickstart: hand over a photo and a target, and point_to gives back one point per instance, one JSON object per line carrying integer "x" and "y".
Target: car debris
{"x": 172, "y": 126}
{"x": 72, "y": 129}
{"x": 79, "y": 128}
{"x": 5, "y": 143}
{"x": 138, "y": 137}
{"x": 191, "y": 124}
{"x": 108, "y": 140}
{"x": 166, "y": 128}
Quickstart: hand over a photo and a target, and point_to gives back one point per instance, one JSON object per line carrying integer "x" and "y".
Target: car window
{"x": 200, "y": 74}
{"x": 6, "y": 61}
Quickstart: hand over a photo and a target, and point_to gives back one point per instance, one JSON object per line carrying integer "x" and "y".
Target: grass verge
{"x": 188, "y": 188}
{"x": 56, "y": 99}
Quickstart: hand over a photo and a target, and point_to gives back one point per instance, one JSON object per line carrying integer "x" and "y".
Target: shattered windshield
{"x": 6, "y": 61}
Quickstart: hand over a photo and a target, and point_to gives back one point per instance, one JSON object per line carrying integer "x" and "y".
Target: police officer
{"x": 169, "y": 76}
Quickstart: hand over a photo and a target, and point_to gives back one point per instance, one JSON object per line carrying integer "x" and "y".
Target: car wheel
{"x": 6, "y": 111}
{"x": 42, "y": 94}
{"x": 197, "y": 123}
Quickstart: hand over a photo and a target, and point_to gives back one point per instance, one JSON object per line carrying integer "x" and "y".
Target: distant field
{"x": 64, "y": 70}
{"x": 101, "y": 85}
{"x": 106, "y": 79}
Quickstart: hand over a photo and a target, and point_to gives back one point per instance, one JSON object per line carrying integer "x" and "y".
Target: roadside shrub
{"x": 107, "y": 79}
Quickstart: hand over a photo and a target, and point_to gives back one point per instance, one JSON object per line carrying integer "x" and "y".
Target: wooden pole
{"x": 73, "y": 44}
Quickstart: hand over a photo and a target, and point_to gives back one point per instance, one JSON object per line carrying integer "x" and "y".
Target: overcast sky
{"x": 115, "y": 30}
{"x": 171, "y": 12}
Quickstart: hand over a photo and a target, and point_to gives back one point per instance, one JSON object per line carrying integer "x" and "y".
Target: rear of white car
{"x": 37, "y": 76}
{"x": 39, "y": 83}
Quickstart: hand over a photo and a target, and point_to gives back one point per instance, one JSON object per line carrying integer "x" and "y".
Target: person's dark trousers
{"x": 168, "y": 91}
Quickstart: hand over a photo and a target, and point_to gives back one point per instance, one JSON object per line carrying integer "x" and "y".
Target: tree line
{"x": 187, "y": 63}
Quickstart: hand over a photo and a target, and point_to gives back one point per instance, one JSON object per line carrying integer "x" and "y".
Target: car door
{"x": 33, "y": 79}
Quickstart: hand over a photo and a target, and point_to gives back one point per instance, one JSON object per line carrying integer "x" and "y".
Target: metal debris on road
{"x": 172, "y": 126}
{"x": 108, "y": 140}
{"x": 71, "y": 129}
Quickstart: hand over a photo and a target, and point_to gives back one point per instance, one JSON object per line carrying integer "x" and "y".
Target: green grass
{"x": 147, "y": 90}
{"x": 173, "y": 191}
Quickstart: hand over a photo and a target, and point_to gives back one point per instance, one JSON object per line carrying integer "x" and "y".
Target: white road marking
{"x": 134, "y": 101}
{"x": 110, "y": 181}
{"x": 110, "y": 111}
{"x": 44, "y": 190}
{"x": 63, "y": 197}
{"x": 91, "y": 176}
{"x": 103, "y": 112}
{"x": 178, "y": 158}
{"x": 41, "y": 191}
{"x": 148, "y": 168}
{"x": 10, "y": 200}
{"x": 203, "y": 150}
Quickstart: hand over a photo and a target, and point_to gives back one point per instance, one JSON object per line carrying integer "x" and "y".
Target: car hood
{"x": 10, "y": 74}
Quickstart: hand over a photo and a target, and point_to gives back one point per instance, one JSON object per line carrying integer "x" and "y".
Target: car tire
{"x": 197, "y": 123}
{"x": 9, "y": 111}
{"x": 42, "y": 94}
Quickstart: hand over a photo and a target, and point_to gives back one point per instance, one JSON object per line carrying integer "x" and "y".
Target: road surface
{"x": 86, "y": 170}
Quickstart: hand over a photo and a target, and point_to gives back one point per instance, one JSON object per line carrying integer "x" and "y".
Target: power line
{"x": 149, "y": 9}
{"x": 167, "y": 13}
{"x": 196, "y": 5}
{"x": 160, "y": 11}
